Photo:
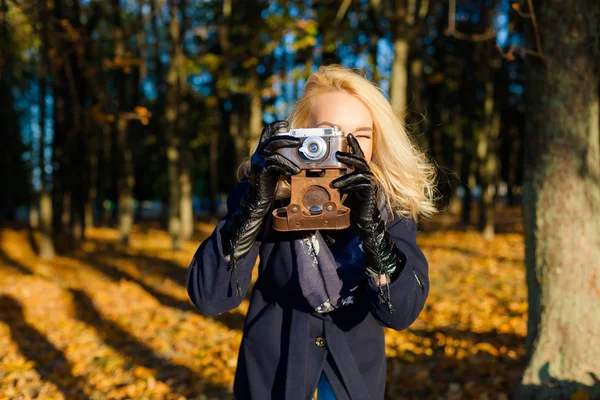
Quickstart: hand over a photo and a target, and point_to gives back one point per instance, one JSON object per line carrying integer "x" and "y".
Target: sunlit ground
{"x": 107, "y": 322}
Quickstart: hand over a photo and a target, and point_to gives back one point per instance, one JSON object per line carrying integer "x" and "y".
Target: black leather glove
{"x": 242, "y": 227}
{"x": 381, "y": 255}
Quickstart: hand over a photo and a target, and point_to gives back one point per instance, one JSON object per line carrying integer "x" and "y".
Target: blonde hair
{"x": 402, "y": 171}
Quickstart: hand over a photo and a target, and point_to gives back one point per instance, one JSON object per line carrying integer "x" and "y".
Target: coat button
{"x": 320, "y": 342}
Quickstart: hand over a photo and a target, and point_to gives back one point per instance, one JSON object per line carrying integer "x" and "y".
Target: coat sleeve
{"x": 211, "y": 285}
{"x": 409, "y": 289}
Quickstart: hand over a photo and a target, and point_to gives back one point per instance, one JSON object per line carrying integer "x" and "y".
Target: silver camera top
{"x": 306, "y": 132}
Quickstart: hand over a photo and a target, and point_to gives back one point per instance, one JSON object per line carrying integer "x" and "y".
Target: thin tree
{"x": 173, "y": 99}
{"x": 46, "y": 245}
{"x": 126, "y": 176}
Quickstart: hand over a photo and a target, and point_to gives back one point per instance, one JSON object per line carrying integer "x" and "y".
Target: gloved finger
{"x": 281, "y": 161}
{"x": 353, "y": 143}
{"x": 272, "y": 129}
{"x": 352, "y": 160}
{"x": 353, "y": 178}
{"x": 361, "y": 187}
{"x": 279, "y": 170}
{"x": 279, "y": 142}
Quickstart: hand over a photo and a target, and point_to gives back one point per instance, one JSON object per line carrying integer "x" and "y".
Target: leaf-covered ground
{"x": 108, "y": 322}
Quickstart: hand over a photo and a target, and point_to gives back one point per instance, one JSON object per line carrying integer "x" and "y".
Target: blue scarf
{"x": 330, "y": 265}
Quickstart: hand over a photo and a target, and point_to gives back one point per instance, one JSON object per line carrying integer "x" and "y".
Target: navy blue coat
{"x": 286, "y": 345}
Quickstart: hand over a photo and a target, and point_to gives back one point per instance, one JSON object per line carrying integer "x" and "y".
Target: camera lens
{"x": 314, "y": 148}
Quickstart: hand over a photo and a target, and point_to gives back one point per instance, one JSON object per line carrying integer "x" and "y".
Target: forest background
{"x": 123, "y": 123}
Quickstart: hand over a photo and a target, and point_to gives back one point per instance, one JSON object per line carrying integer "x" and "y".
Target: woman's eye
{"x": 364, "y": 136}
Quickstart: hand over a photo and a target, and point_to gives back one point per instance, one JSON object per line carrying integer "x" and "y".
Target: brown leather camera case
{"x": 312, "y": 192}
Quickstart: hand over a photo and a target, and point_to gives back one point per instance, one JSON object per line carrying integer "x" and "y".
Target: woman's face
{"x": 345, "y": 111}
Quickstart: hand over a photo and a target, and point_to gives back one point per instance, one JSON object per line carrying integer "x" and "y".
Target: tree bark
{"x": 61, "y": 197}
{"x": 77, "y": 139}
{"x": 514, "y": 160}
{"x": 256, "y": 107}
{"x": 459, "y": 154}
{"x": 126, "y": 176}
{"x": 46, "y": 244}
{"x": 562, "y": 203}
{"x": 417, "y": 115}
{"x": 173, "y": 140}
{"x": 213, "y": 156}
{"x": 399, "y": 81}
{"x": 488, "y": 162}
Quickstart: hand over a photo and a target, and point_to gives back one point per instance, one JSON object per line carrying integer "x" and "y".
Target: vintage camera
{"x": 313, "y": 204}
{"x": 317, "y": 148}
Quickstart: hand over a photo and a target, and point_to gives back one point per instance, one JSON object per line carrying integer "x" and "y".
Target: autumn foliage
{"x": 110, "y": 322}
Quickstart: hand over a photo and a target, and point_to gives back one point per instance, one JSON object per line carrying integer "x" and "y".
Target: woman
{"x": 306, "y": 330}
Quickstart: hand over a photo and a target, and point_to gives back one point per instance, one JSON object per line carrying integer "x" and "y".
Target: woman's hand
{"x": 267, "y": 166}
{"x": 241, "y": 229}
{"x": 360, "y": 185}
{"x": 381, "y": 255}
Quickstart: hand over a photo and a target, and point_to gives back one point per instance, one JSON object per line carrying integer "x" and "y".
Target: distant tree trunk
{"x": 399, "y": 81}
{"x": 237, "y": 131}
{"x": 213, "y": 155}
{"x": 155, "y": 7}
{"x": 467, "y": 169}
{"x": 404, "y": 16}
{"x": 459, "y": 154}
{"x": 77, "y": 138}
{"x": 186, "y": 212}
{"x": 46, "y": 244}
{"x": 373, "y": 14}
{"x": 488, "y": 162}
{"x": 256, "y": 108}
{"x": 61, "y": 196}
{"x": 104, "y": 216}
{"x": 417, "y": 112}
{"x": 562, "y": 204}
{"x": 185, "y": 187}
{"x": 173, "y": 140}
{"x": 126, "y": 175}
{"x": 513, "y": 162}
{"x": 90, "y": 205}
{"x": 126, "y": 183}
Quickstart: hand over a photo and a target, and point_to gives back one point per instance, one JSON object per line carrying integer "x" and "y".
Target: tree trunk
{"x": 417, "y": 113}
{"x": 76, "y": 137}
{"x": 488, "y": 162}
{"x": 238, "y": 136}
{"x": 256, "y": 108}
{"x": 185, "y": 187}
{"x": 46, "y": 244}
{"x": 173, "y": 141}
{"x": 61, "y": 197}
{"x": 90, "y": 204}
{"x": 186, "y": 212}
{"x": 126, "y": 182}
{"x": 398, "y": 85}
{"x": 105, "y": 216}
{"x": 562, "y": 204}
{"x": 468, "y": 175}
{"x": 126, "y": 175}
{"x": 513, "y": 162}
{"x": 459, "y": 154}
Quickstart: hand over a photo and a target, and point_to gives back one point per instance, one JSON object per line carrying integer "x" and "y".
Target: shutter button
{"x": 320, "y": 342}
